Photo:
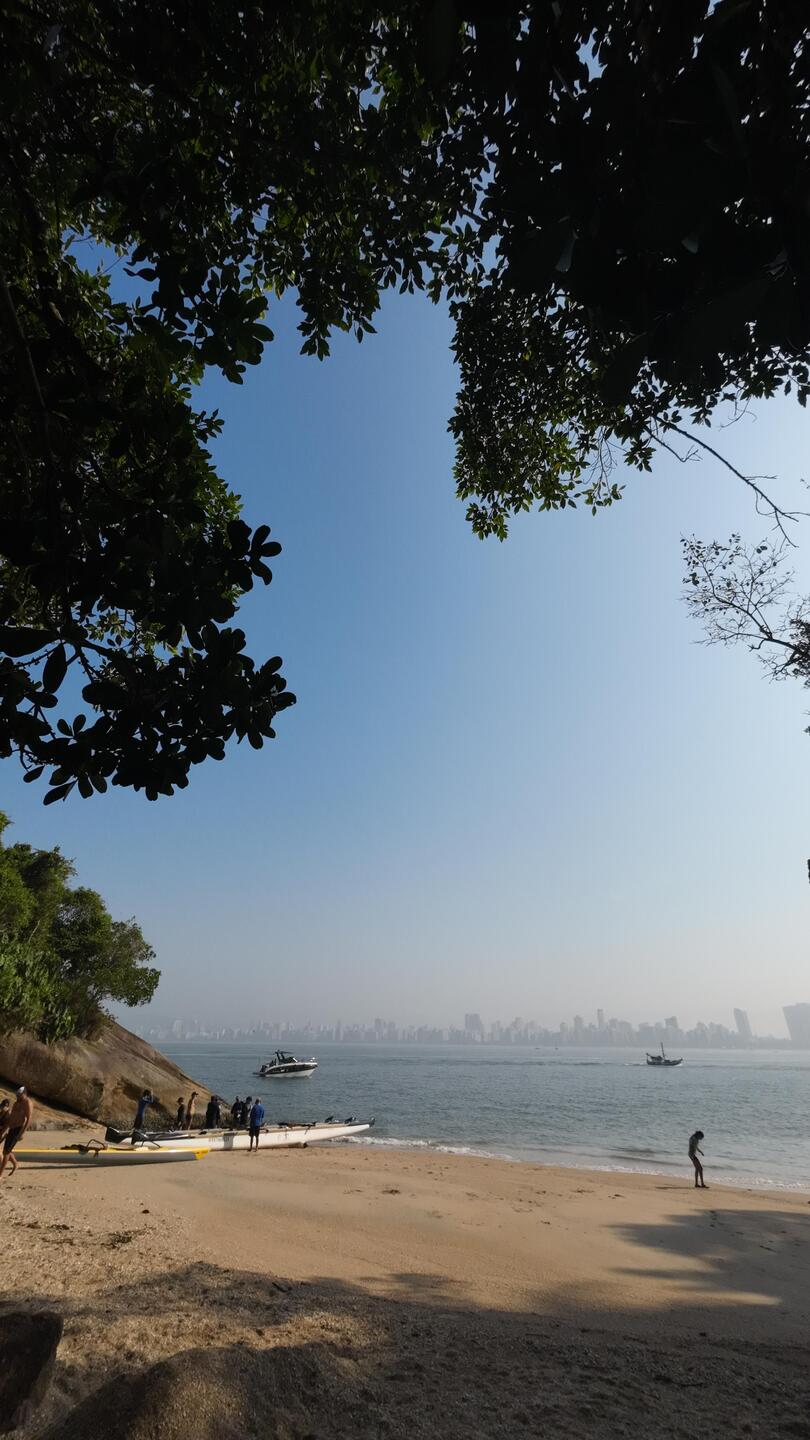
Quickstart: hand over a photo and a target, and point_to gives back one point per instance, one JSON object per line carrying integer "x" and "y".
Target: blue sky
{"x": 514, "y": 782}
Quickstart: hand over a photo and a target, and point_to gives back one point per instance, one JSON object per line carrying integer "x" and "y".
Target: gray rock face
{"x": 27, "y": 1349}
{"x": 102, "y": 1078}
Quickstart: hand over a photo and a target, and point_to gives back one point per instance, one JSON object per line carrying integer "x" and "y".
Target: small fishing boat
{"x": 95, "y": 1153}
{"x": 283, "y": 1135}
{"x": 663, "y": 1060}
{"x": 285, "y": 1067}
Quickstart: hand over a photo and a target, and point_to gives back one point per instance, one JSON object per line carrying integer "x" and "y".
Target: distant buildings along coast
{"x": 475, "y": 1031}
{"x": 797, "y": 1019}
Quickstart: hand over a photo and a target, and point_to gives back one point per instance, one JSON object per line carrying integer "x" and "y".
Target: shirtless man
{"x": 19, "y": 1119}
{"x": 694, "y": 1151}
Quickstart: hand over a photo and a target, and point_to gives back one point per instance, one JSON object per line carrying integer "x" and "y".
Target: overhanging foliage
{"x": 612, "y": 196}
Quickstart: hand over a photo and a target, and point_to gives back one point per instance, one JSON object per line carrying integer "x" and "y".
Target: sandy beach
{"x": 355, "y": 1292}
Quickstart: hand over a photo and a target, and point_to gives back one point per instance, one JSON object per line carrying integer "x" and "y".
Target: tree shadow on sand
{"x": 209, "y": 1353}
{"x": 729, "y": 1254}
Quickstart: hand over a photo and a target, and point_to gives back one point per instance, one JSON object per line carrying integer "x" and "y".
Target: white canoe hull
{"x": 120, "y": 1156}
{"x": 273, "y": 1137}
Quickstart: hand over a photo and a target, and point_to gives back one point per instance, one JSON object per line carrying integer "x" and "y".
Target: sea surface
{"x": 599, "y": 1109}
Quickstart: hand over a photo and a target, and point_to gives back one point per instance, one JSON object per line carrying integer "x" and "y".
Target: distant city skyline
{"x": 477, "y": 1030}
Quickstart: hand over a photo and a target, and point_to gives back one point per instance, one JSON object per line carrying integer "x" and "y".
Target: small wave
{"x": 614, "y": 1166}
{"x": 439, "y": 1147}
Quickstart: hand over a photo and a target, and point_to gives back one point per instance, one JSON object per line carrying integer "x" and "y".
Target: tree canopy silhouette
{"x": 612, "y": 197}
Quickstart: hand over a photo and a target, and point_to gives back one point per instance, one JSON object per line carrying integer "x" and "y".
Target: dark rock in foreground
{"x": 101, "y": 1078}
{"x": 226, "y": 1394}
{"x": 27, "y": 1350}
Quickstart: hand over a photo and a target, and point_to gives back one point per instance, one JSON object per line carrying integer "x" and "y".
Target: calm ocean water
{"x": 603, "y": 1109}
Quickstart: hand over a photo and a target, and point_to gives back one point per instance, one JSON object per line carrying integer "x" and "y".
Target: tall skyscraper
{"x": 797, "y": 1018}
{"x": 600, "y": 1019}
{"x": 474, "y": 1024}
{"x": 743, "y": 1024}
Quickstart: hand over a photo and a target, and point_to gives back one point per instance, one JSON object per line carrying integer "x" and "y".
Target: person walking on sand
{"x": 256, "y": 1122}
{"x": 246, "y": 1109}
{"x": 180, "y": 1117}
{"x": 694, "y": 1151}
{"x": 190, "y": 1109}
{"x": 236, "y": 1112}
{"x": 4, "y": 1114}
{"x": 19, "y": 1118}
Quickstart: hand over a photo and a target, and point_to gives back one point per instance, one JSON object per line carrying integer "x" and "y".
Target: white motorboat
{"x": 308, "y": 1132}
{"x": 285, "y": 1067}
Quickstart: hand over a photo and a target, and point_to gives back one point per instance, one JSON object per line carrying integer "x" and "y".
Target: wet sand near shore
{"x": 350, "y": 1291}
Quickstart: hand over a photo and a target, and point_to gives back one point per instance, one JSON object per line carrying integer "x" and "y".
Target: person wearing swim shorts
{"x": 19, "y": 1118}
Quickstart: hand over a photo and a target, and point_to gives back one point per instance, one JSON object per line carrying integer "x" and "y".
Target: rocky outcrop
{"x": 229, "y": 1394}
{"x": 101, "y": 1078}
{"x": 27, "y": 1350}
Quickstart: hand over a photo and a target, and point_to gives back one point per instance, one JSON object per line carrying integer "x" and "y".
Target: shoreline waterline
{"x": 369, "y": 1283}
{"x": 599, "y": 1109}
{"x": 584, "y": 1165}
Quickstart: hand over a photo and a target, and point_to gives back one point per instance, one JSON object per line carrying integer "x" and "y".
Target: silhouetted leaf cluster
{"x": 649, "y": 204}
{"x": 612, "y": 196}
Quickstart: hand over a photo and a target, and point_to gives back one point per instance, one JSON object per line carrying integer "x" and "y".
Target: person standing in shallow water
{"x": 694, "y": 1151}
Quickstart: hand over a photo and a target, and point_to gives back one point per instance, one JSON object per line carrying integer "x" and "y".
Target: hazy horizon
{"x": 514, "y": 781}
{"x": 153, "y": 1015}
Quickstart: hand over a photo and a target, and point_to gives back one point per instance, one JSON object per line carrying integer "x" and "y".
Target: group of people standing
{"x": 247, "y": 1113}
{"x": 184, "y": 1119}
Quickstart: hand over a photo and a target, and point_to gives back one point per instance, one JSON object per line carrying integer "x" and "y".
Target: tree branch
{"x": 780, "y": 517}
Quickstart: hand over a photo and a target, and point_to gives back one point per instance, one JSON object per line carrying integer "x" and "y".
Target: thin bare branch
{"x": 775, "y": 512}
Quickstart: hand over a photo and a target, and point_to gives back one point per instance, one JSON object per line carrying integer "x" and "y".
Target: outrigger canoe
{"x": 106, "y": 1155}
{"x": 311, "y": 1132}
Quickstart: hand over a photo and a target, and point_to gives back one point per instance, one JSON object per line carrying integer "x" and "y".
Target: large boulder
{"x": 27, "y": 1349}
{"x": 101, "y": 1078}
{"x": 283, "y": 1393}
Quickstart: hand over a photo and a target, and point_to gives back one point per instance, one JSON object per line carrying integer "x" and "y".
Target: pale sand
{"x": 425, "y": 1294}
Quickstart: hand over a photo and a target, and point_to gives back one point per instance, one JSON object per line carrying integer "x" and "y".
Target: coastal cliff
{"x": 99, "y": 1079}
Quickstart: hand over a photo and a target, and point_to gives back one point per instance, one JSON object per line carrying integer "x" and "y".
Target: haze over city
{"x": 603, "y": 1030}
{"x": 513, "y": 781}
